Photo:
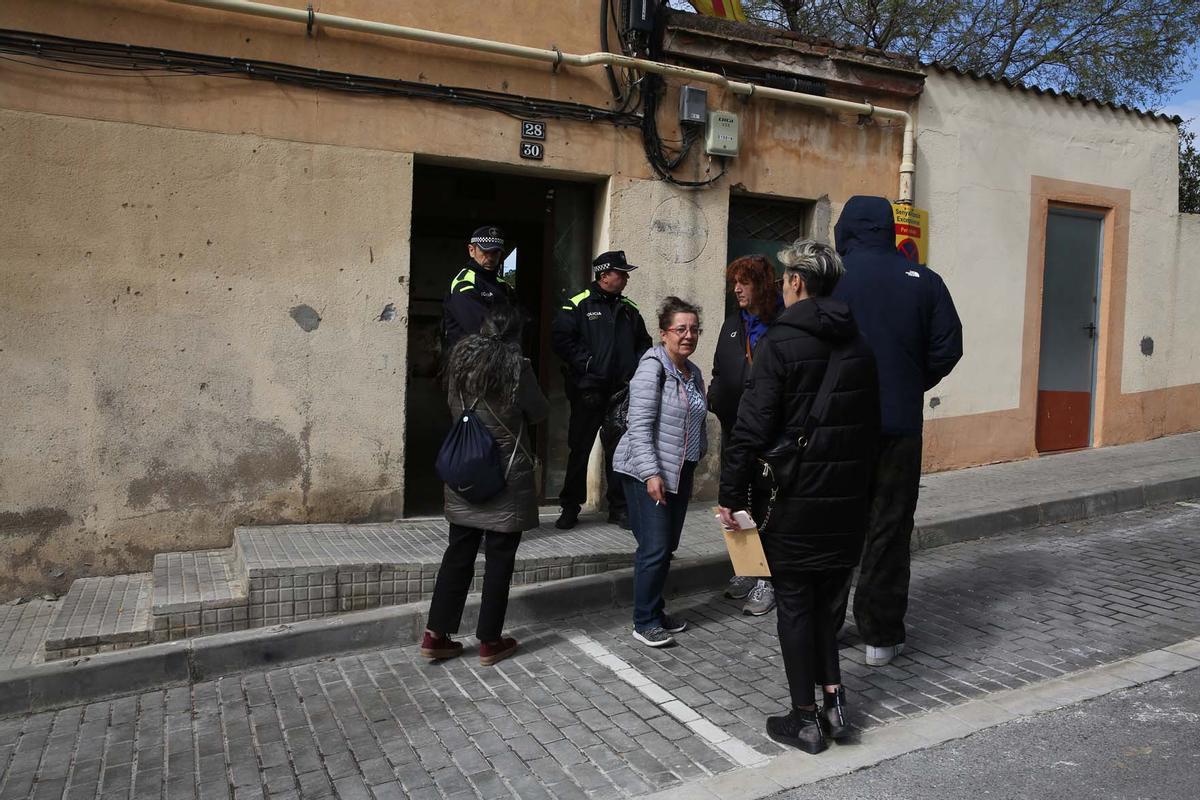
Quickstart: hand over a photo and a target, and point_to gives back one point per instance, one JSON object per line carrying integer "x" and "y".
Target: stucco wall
{"x": 157, "y": 418}
{"x": 678, "y": 240}
{"x": 979, "y": 146}
{"x": 165, "y": 373}
{"x": 1165, "y": 307}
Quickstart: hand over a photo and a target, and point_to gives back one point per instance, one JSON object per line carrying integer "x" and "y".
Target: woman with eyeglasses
{"x": 657, "y": 458}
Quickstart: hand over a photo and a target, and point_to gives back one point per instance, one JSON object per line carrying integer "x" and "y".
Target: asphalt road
{"x": 1141, "y": 743}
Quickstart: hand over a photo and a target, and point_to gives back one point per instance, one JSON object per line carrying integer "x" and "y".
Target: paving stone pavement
{"x": 560, "y": 721}
{"x": 23, "y": 627}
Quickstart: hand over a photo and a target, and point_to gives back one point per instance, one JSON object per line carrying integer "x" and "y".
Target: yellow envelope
{"x": 746, "y": 552}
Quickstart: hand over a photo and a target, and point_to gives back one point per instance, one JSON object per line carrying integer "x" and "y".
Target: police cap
{"x": 613, "y": 259}
{"x": 489, "y": 237}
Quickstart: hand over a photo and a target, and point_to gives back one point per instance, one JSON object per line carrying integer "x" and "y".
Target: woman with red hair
{"x": 751, "y": 279}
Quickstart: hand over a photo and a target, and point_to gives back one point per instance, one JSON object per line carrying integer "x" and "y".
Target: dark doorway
{"x": 760, "y": 226}
{"x": 1067, "y": 364}
{"x": 548, "y": 228}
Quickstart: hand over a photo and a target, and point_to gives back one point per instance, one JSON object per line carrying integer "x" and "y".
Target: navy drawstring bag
{"x": 469, "y": 459}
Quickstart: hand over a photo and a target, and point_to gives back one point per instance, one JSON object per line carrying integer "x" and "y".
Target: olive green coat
{"x": 516, "y": 508}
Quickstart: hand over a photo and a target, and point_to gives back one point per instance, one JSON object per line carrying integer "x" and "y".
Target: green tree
{"x": 1127, "y": 51}
{"x": 1189, "y": 171}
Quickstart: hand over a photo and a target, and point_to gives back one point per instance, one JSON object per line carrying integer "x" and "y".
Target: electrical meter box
{"x": 721, "y": 135}
{"x": 693, "y": 105}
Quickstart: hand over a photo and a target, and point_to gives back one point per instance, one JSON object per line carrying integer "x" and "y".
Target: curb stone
{"x": 69, "y": 682}
{"x": 791, "y": 770}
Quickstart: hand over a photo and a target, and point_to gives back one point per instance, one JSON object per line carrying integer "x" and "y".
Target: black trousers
{"x": 455, "y": 575}
{"x": 806, "y": 604}
{"x": 587, "y": 414}
{"x": 881, "y": 599}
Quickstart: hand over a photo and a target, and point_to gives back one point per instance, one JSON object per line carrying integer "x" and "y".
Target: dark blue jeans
{"x": 657, "y": 529}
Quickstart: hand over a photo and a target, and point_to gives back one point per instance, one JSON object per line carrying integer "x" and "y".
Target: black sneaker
{"x": 654, "y": 637}
{"x": 798, "y": 729}
{"x": 739, "y": 586}
{"x": 834, "y": 721}
{"x": 567, "y": 519}
{"x": 673, "y": 624}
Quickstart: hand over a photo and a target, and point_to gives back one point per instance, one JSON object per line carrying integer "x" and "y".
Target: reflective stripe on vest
{"x": 574, "y": 302}
{"x": 463, "y": 281}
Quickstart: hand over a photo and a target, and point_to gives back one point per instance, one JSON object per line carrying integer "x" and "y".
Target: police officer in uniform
{"x": 477, "y": 288}
{"x": 600, "y": 335}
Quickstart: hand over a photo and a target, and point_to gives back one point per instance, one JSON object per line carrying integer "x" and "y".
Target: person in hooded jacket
{"x": 908, "y": 318}
{"x": 751, "y": 279}
{"x": 486, "y": 371}
{"x": 814, "y": 534}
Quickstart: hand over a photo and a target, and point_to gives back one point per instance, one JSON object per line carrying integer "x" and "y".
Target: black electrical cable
{"x": 129, "y": 60}
{"x": 105, "y": 59}
{"x": 661, "y": 160}
{"x": 608, "y": 70}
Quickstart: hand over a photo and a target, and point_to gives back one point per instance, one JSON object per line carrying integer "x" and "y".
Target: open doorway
{"x": 548, "y": 230}
{"x": 1070, "y": 329}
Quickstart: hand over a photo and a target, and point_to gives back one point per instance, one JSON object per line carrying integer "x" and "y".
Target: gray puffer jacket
{"x": 658, "y": 408}
{"x": 516, "y": 508}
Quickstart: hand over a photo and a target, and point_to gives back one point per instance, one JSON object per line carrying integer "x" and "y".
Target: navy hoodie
{"x": 903, "y": 309}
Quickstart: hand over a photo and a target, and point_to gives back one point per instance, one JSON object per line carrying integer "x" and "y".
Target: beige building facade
{"x": 221, "y": 293}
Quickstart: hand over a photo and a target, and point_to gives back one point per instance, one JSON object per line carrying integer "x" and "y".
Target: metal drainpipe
{"x": 557, "y": 57}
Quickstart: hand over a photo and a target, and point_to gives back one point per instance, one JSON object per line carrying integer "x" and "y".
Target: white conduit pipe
{"x": 557, "y": 57}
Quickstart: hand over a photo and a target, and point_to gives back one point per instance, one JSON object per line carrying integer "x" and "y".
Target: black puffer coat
{"x": 819, "y": 521}
{"x": 731, "y": 367}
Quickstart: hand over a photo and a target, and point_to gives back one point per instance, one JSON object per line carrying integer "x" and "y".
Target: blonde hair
{"x": 818, "y": 265}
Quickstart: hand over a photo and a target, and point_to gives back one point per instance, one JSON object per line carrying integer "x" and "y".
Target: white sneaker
{"x": 882, "y": 656}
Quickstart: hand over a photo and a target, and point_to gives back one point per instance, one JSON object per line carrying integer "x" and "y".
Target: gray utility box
{"x": 693, "y": 105}
{"x": 721, "y": 135}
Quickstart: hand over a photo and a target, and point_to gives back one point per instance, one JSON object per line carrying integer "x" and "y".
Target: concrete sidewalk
{"x": 1000, "y": 628}
{"x": 955, "y": 506}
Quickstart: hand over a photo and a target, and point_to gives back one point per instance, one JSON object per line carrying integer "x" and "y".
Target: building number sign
{"x": 533, "y": 130}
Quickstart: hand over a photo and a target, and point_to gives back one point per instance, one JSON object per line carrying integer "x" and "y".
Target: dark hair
{"x": 758, "y": 272}
{"x": 672, "y": 306}
{"x": 488, "y": 364}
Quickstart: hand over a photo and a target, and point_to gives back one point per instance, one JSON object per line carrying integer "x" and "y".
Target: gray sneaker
{"x": 761, "y": 599}
{"x": 654, "y": 637}
{"x": 739, "y": 586}
{"x": 673, "y": 624}
{"x": 882, "y": 656}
